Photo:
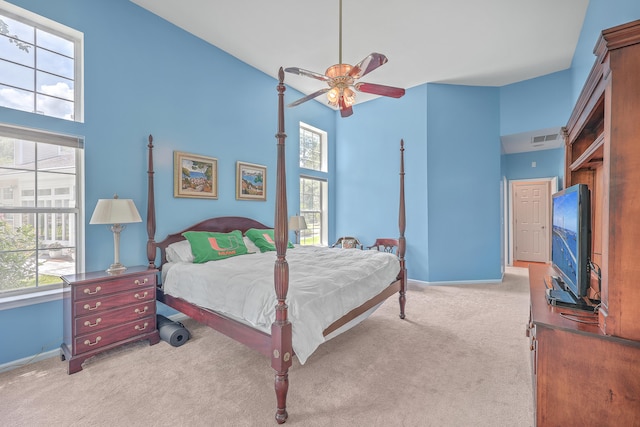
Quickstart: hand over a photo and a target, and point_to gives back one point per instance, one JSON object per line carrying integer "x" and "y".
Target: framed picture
{"x": 195, "y": 176}
{"x": 251, "y": 181}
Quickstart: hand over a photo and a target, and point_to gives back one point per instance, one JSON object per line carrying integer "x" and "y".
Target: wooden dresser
{"x": 586, "y": 367}
{"x": 103, "y": 311}
{"x": 581, "y": 377}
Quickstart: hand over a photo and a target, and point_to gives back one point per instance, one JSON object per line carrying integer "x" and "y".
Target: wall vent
{"x": 544, "y": 138}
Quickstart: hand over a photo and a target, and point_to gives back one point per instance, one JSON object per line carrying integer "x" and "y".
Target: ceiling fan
{"x": 341, "y": 80}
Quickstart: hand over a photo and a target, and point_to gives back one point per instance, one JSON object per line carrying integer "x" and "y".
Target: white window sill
{"x": 17, "y": 301}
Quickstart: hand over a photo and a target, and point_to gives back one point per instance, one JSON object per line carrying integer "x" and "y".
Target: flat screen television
{"x": 571, "y": 238}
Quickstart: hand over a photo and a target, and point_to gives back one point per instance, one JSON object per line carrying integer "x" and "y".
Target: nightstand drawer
{"x": 98, "y": 305}
{"x": 104, "y": 310}
{"x": 102, "y": 320}
{"x": 111, "y": 286}
{"x": 108, "y": 336}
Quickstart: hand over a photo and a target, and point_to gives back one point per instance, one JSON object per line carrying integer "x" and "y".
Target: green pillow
{"x": 264, "y": 239}
{"x": 210, "y": 246}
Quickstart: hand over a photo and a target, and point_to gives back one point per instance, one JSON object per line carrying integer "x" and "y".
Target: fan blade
{"x": 308, "y": 97}
{"x": 393, "y": 92}
{"x": 301, "y": 72}
{"x": 345, "y": 111}
{"x": 367, "y": 65}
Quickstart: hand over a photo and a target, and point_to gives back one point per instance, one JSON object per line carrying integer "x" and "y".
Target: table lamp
{"x": 116, "y": 212}
{"x": 297, "y": 223}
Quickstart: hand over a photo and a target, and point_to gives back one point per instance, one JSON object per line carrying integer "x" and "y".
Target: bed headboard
{"x": 223, "y": 224}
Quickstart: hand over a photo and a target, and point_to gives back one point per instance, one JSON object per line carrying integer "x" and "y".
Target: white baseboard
{"x": 29, "y": 360}
{"x": 56, "y": 351}
{"x": 458, "y": 282}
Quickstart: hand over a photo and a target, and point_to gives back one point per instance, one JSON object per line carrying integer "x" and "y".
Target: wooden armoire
{"x": 586, "y": 366}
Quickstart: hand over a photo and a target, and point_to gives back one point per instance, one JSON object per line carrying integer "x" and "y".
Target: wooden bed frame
{"x": 277, "y": 346}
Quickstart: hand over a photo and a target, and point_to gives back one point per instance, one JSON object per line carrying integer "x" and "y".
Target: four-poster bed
{"x": 278, "y": 341}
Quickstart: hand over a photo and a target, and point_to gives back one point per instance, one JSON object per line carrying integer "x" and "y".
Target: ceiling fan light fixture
{"x": 341, "y": 79}
{"x": 349, "y": 97}
{"x": 332, "y": 96}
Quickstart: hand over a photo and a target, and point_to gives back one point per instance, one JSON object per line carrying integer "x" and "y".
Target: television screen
{"x": 571, "y": 240}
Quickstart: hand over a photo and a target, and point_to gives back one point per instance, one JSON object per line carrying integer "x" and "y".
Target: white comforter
{"x": 324, "y": 285}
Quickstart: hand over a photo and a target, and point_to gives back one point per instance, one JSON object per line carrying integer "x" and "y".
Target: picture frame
{"x": 195, "y": 176}
{"x": 251, "y": 181}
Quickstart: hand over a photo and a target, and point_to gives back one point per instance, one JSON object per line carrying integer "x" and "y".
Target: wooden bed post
{"x": 281, "y": 346}
{"x": 402, "y": 243}
{"x": 151, "y": 210}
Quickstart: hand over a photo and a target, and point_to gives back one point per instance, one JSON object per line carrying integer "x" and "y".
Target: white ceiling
{"x": 468, "y": 42}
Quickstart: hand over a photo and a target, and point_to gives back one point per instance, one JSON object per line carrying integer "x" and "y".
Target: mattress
{"x": 324, "y": 285}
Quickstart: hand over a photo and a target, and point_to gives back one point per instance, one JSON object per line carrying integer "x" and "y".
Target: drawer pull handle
{"x": 143, "y": 296}
{"x": 91, "y": 325}
{"x": 88, "y": 307}
{"x": 142, "y": 328}
{"x": 143, "y": 311}
{"x": 88, "y": 291}
{"x": 139, "y": 283}
{"x": 89, "y": 343}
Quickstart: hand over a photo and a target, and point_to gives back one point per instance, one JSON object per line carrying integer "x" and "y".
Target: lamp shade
{"x": 115, "y": 211}
{"x": 297, "y": 223}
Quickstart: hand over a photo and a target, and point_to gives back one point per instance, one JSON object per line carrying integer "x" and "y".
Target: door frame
{"x": 552, "y": 183}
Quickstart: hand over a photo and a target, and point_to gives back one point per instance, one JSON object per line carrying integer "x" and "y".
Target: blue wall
{"x": 144, "y": 75}
{"x": 452, "y": 174}
{"x": 549, "y": 163}
{"x": 539, "y": 103}
{"x": 601, "y": 14}
{"x": 463, "y": 189}
{"x": 367, "y": 166}
{"x": 30, "y": 330}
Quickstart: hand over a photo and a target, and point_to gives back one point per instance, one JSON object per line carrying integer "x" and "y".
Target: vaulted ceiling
{"x": 468, "y": 42}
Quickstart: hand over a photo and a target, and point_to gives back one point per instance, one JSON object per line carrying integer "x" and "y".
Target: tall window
{"x": 313, "y": 148}
{"x": 40, "y": 208}
{"x": 40, "y": 65}
{"x": 313, "y": 206}
{"x": 313, "y": 185}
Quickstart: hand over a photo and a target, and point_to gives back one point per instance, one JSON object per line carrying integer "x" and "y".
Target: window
{"x": 40, "y": 65}
{"x": 313, "y": 148}
{"x": 313, "y": 207}
{"x": 314, "y": 189}
{"x": 40, "y": 208}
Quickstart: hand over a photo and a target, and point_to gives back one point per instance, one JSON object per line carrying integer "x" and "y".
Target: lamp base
{"x": 116, "y": 268}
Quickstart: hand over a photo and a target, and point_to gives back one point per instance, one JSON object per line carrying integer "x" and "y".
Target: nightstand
{"x": 103, "y": 311}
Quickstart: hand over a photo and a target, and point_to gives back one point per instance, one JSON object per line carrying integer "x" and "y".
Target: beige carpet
{"x": 459, "y": 359}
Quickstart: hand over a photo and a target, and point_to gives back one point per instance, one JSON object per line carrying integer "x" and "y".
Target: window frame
{"x": 57, "y": 29}
{"x": 13, "y": 298}
{"x": 309, "y": 213}
{"x": 320, "y": 175}
{"x": 324, "y": 155}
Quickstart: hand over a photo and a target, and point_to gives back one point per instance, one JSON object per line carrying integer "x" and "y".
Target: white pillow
{"x": 179, "y": 252}
{"x": 251, "y": 247}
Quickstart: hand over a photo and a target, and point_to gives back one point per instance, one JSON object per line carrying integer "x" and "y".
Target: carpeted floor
{"x": 459, "y": 359}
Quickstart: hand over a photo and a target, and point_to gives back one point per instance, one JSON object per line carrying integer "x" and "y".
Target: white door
{"x": 531, "y": 221}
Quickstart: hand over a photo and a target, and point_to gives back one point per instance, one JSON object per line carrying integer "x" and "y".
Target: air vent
{"x": 537, "y": 139}
{"x": 544, "y": 138}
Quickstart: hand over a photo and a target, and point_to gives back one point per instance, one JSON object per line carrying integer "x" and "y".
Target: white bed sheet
{"x": 324, "y": 285}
